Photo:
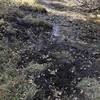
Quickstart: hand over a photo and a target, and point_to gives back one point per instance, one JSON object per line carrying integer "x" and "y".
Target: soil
{"x": 68, "y": 61}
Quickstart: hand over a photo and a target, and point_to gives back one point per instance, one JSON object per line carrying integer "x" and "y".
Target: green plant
{"x": 91, "y": 88}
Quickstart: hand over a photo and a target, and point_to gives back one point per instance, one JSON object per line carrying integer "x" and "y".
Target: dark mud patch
{"x": 63, "y": 75}
{"x": 29, "y": 32}
{"x": 16, "y": 24}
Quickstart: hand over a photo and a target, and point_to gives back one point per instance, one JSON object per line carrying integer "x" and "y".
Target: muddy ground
{"x": 47, "y": 54}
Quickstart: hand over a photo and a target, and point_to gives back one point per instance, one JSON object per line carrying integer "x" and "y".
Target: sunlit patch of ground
{"x": 68, "y": 9}
{"x": 30, "y": 2}
{"x": 72, "y": 14}
{"x": 94, "y": 17}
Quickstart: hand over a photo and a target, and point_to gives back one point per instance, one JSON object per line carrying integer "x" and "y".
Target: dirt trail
{"x": 61, "y": 8}
{"x": 73, "y": 23}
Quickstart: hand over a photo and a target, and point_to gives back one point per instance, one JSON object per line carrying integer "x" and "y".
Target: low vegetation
{"x": 36, "y": 65}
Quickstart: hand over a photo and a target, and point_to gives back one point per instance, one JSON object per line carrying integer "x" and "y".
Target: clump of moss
{"x": 40, "y": 8}
{"x": 36, "y": 8}
{"x": 35, "y": 22}
{"x": 91, "y": 88}
{"x": 15, "y": 84}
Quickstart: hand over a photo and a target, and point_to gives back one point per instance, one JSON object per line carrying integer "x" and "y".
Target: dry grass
{"x": 30, "y": 2}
